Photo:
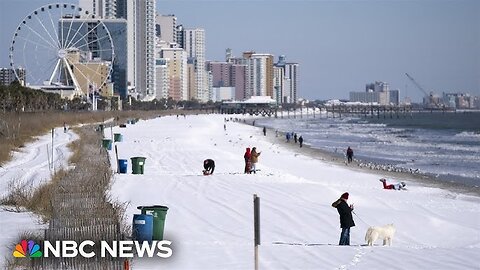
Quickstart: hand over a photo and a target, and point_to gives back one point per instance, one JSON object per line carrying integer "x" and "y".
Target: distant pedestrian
{"x": 253, "y": 123}
{"x": 209, "y": 166}
{"x": 295, "y": 137}
{"x": 287, "y": 136}
{"x": 276, "y": 132}
{"x": 349, "y": 154}
{"x": 264, "y": 131}
{"x": 64, "y": 127}
{"x": 246, "y": 157}
{"x": 225, "y": 127}
{"x": 300, "y": 140}
{"x": 346, "y": 219}
{"x": 254, "y": 159}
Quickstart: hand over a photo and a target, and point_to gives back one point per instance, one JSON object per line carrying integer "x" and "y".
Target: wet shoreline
{"x": 429, "y": 180}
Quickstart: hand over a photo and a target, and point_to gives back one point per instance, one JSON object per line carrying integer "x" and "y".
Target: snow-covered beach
{"x": 210, "y": 220}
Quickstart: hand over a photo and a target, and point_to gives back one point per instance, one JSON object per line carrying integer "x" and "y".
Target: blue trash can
{"x": 122, "y": 165}
{"x": 142, "y": 227}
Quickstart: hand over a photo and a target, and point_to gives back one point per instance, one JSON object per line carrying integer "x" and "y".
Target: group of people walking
{"x": 295, "y": 137}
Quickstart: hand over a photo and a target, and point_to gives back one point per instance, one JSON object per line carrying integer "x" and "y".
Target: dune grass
{"x": 18, "y": 129}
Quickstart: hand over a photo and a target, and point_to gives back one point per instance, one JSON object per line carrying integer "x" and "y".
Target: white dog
{"x": 384, "y": 232}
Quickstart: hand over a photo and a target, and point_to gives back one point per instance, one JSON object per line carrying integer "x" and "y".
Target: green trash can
{"x": 117, "y": 137}
{"x": 158, "y": 212}
{"x": 137, "y": 165}
{"x": 107, "y": 144}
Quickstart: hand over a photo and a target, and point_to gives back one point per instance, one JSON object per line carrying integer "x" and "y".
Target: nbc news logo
{"x": 28, "y": 249}
{"x": 114, "y": 249}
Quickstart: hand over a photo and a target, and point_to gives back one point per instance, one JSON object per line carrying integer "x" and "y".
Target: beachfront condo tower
{"x": 105, "y": 9}
{"x": 194, "y": 45}
{"x": 285, "y": 81}
{"x": 166, "y": 28}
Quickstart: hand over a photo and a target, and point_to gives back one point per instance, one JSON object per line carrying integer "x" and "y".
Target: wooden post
{"x": 116, "y": 155}
{"x": 256, "y": 225}
{"x": 53, "y": 152}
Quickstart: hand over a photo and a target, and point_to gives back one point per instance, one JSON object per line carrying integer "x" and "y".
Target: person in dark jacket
{"x": 346, "y": 219}
{"x": 209, "y": 166}
{"x": 300, "y": 140}
{"x": 264, "y": 131}
{"x": 349, "y": 154}
{"x": 295, "y": 137}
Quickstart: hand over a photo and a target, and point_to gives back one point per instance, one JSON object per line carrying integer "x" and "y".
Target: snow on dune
{"x": 210, "y": 220}
{"x": 30, "y": 167}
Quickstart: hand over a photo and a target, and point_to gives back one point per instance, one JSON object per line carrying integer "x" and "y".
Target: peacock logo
{"x": 28, "y": 249}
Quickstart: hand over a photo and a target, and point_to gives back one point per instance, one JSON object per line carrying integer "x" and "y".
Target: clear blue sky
{"x": 340, "y": 45}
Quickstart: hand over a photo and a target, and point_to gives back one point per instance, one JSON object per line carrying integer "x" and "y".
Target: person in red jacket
{"x": 398, "y": 186}
{"x": 247, "y": 157}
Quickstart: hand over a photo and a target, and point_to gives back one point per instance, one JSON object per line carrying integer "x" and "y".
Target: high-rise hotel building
{"x": 194, "y": 45}
{"x": 259, "y": 74}
{"x": 105, "y": 9}
{"x": 177, "y": 68}
{"x": 166, "y": 28}
{"x": 140, "y": 55}
{"x": 141, "y": 27}
{"x": 285, "y": 81}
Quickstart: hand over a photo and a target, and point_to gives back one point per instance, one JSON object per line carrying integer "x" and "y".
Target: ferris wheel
{"x": 62, "y": 46}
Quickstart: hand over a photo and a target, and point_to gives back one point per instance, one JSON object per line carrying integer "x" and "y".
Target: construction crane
{"x": 429, "y": 97}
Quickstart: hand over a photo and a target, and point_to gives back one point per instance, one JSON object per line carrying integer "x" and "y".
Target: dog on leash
{"x": 380, "y": 232}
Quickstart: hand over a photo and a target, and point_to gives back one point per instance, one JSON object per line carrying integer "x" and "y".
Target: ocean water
{"x": 444, "y": 145}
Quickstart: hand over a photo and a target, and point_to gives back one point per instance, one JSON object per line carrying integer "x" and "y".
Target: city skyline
{"x": 340, "y": 46}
